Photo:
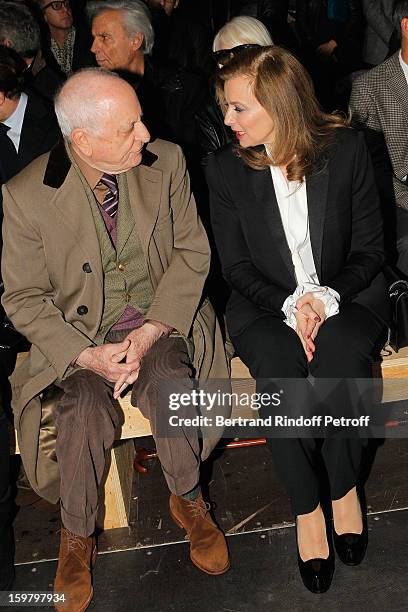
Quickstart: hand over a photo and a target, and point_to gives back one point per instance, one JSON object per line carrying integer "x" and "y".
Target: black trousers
{"x": 345, "y": 348}
{"x": 402, "y": 240}
{"x": 7, "y": 361}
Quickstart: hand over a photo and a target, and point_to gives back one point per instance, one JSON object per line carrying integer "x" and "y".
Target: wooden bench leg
{"x": 115, "y": 504}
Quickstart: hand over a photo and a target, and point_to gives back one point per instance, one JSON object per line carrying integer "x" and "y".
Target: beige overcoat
{"x": 53, "y": 278}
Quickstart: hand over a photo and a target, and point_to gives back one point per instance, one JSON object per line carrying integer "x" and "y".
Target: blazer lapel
{"x": 145, "y": 186}
{"x": 317, "y": 185}
{"x": 397, "y": 83}
{"x": 267, "y": 205}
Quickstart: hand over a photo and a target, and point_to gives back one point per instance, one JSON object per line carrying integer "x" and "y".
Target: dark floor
{"x": 263, "y": 576}
{"x": 251, "y": 507}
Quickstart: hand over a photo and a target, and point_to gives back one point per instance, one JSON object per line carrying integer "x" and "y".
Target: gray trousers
{"x": 86, "y": 418}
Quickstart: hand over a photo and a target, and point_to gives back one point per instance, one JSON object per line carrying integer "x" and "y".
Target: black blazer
{"x": 345, "y": 229}
{"x": 39, "y": 132}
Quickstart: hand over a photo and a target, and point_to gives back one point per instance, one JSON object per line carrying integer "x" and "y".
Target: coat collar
{"x": 59, "y": 165}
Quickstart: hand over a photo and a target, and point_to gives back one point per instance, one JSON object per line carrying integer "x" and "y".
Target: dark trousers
{"x": 345, "y": 347}
{"x": 402, "y": 240}
{"x": 5, "y": 498}
{"x": 86, "y": 418}
{"x": 7, "y": 361}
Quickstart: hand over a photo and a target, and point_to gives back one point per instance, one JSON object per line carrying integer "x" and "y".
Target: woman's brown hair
{"x": 283, "y": 87}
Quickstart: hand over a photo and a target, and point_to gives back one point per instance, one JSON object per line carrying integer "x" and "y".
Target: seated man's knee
{"x": 167, "y": 359}
{"x": 85, "y": 395}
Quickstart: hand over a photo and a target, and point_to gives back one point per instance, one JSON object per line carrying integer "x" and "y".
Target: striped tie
{"x": 111, "y": 200}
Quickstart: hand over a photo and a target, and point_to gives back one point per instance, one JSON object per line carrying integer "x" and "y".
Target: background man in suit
{"x": 379, "y": 102}
{"x": 28, "y": 125}
{"x": 113, "y": 294}
{"x": 20, "y": 30}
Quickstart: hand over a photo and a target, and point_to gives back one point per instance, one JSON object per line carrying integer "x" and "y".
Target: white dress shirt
{"x": 292, "y": 202}
{"x": 15, "y": 121}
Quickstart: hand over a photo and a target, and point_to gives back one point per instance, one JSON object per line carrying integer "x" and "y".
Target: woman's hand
{"x": 310, "y": 316}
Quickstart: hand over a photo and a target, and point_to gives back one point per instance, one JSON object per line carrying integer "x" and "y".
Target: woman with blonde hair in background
{"x": 238, "y": 34}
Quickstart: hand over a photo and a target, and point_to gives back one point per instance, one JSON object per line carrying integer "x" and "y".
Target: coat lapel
{"x": 263, "y": 190}
{"x": 145, "y": 185}
{"x": 72, "y": 204}
{"x": 317, "y": 185}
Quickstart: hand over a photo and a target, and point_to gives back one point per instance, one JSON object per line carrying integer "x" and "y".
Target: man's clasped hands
{"x": 120, "y": 362}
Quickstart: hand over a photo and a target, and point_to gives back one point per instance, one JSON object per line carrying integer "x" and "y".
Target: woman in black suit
{"x": 298, "y": 228}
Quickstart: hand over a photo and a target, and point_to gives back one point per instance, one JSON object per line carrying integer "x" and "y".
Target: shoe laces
{"x": 198, "y": 507}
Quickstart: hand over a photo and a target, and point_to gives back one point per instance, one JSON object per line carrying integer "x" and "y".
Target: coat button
{"x": 82, "y": 310}
{"x": 86, "y": 267}
{"x": 121, "y": 267}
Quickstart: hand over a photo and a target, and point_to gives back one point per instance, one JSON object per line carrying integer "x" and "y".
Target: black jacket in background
{"x": 314, "y": 28}
{"x": 182, "y": 43}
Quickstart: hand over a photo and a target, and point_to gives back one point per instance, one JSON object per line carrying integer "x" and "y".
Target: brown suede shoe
{"x": 208, "y": 548}
{"x": 74, "y": 579}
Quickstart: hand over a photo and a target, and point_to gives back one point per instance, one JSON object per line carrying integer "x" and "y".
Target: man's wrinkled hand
{"x": 141, "y": 340}
{"x": 106, "y": 359}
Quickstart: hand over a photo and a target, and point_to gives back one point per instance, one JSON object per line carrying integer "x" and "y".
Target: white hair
{"x": 242, "y": 31}
{"x": 136, "y": 18}
{"x": 82, "y": 103}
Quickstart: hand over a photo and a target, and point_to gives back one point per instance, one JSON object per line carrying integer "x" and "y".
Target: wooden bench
{"x": 116, "y": 498}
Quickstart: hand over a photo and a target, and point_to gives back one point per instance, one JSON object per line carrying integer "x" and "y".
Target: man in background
{"x": 379, "y": 103}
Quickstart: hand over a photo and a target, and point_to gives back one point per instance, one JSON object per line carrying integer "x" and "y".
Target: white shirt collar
{"x": 15, "y": 121}
{"x": 404, "y": 66}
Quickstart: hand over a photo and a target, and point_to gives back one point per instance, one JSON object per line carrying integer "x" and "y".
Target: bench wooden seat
{"x": 119, "y": 474}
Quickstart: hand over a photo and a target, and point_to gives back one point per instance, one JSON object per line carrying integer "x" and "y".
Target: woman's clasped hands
{"x": 310, "y": 315}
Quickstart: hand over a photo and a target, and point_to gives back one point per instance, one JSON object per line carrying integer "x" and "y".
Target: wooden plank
{"x": 393, "y": 367}
{"x": 114, "y": 505}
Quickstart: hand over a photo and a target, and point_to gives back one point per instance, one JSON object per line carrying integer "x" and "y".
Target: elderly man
{"x": 122, "y": 33}
{"x": 112, "y": 295}
{"x": 379, "y": 102}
